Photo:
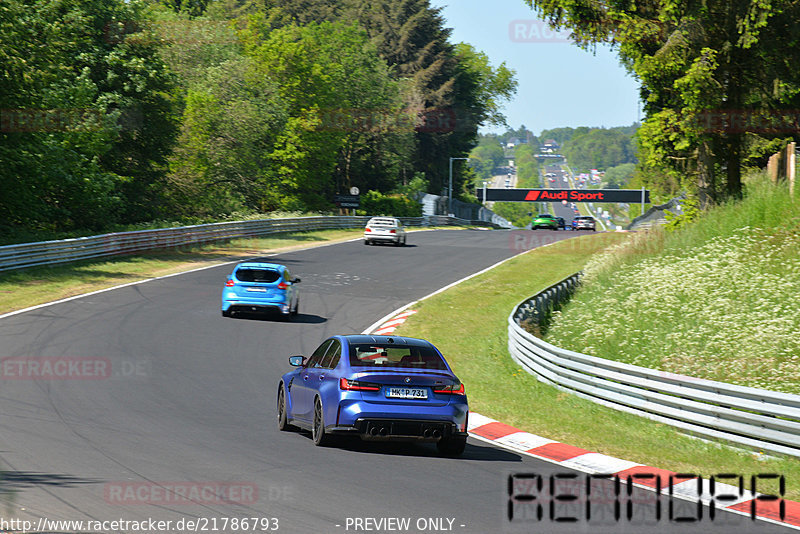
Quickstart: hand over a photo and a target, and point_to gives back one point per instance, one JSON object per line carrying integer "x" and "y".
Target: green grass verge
{"x": 717, "y": 299}
{"x": 29, "y": 287}
{"x": 468, "y": 323}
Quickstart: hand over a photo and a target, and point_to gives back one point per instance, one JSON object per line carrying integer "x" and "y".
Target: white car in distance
{"x": 385, "y": 230}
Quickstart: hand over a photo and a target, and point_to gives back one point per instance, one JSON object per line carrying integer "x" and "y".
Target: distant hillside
{"x": 600, "y": 148}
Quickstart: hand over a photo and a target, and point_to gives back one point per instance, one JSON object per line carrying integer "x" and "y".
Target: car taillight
{"x": 392, "y": 231}
{"x": 355, "y": 385}
{"x": 230, "y": 283}
{"x": 453, "y": 389}
{"x": 283, "y": 285}
{"x": 367, "y": 229}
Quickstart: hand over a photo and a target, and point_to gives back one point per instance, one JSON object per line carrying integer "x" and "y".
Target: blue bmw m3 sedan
{"x": 377, "y": 388}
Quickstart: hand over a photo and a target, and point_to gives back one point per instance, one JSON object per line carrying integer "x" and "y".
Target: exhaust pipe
{"x": 437, "y": 433}
{"x": 426, "y": 433}
{"x": 373, "y": 431}
{"x": 383, "y": 431}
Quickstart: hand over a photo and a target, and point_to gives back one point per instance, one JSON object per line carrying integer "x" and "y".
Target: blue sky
{"x": 559, "y": 84}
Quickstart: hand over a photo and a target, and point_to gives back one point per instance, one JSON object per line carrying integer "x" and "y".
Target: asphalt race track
{"x": 170, "y": 399}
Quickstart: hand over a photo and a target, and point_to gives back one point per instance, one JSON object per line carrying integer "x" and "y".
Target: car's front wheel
{"x": 318, "y": 429}
{"x": 452, "y": 446}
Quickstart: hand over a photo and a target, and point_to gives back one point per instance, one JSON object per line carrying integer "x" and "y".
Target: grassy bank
{"x": 718, "y": 299}
{"x": 474, "y": 339}
{"x": 20, "y": 289}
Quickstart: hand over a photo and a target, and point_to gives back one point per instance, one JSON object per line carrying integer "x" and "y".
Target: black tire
{"x": 366, "y": 242}
{"x": 398, "y": 243}
{"x": 318, "y": 428}
{"x": 226, "y": 313}
{"x": 405, "y": 238}
{"x": 296, "y": 307}
{"x": 452, "y": 446}
{"x": 283, "y": 419}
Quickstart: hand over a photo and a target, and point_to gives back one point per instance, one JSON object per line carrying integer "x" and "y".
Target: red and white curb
{"x": 736, "y": 500}
{"x": 391, "y": 325}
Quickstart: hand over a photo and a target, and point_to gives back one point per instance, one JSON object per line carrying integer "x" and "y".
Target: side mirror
{"x": 295, "y": 281}
{"x": 296, "y": 361}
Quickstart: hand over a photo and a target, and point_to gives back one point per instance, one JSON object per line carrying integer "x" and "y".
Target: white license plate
{"x": 257, "y": 289}
{"x": 407, "y": 393}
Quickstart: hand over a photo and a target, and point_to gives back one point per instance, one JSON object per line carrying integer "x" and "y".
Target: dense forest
{"x": 117, "y": 112}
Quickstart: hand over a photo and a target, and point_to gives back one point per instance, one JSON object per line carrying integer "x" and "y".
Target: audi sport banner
{"x": 558, "y": 195}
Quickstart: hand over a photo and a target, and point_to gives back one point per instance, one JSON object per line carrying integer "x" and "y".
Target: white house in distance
{"x": 549, "y": 147}
{"x": 514, "y": 141}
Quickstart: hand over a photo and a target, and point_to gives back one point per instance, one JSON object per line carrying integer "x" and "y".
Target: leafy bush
{"x": 376, "y": 203}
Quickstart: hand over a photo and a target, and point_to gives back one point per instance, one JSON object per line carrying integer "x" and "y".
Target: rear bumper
{"x": 378, "y": 237}
{"x": 255, "y": 306}
{"x": 388, "y": 421}
{"x": 411, "y": 429}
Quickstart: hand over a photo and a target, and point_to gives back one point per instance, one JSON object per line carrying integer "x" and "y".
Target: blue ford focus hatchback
{"x": 260, "y": 287}
{"x": 378, "y": 388}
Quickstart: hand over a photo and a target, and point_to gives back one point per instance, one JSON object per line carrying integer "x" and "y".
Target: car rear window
{"x": 258, "y": 275}
{"x": 379, "y": 355}
{"x": 382, "y": 222}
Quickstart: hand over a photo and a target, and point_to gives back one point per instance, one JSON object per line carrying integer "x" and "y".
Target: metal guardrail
{"x": 761, "y": 419}
{"x": 654, "y": 216}
{"x": 538, "y": 308}
{"x": 68, "y": 250}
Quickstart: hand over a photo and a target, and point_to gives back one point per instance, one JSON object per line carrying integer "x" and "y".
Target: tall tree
{"x": 341, "y": 103}
{"x": 721, "y": 58}
{"x": 86, "y": 113}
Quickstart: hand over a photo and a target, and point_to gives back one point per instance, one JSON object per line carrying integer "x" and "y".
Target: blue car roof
{"x": 260, "y": 265}
{"x": 397, "y": 340}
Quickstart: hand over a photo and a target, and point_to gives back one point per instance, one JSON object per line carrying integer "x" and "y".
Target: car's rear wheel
{"x": 318, "y": 429}
{"x": 452, "y": 446}
{"x": 283, "y": 419}
{"x": 366, "y": 242}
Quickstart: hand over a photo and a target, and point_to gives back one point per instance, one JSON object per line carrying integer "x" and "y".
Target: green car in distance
{"x": 544, "y": 220}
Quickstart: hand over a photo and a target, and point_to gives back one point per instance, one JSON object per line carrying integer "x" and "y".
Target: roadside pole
{"x": 642, "y": 200}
